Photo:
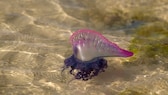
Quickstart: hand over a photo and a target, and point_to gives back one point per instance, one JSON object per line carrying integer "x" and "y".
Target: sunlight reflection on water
{"x": 34, "y": 41}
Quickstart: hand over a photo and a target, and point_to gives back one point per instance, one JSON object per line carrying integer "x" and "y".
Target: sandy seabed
{"x": 34, "y": 41}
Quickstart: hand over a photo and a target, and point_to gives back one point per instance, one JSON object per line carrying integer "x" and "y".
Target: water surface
{"x": 34, "y": 41}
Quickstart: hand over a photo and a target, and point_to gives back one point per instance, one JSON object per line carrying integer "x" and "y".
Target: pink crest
{"x": 89, "y": 44}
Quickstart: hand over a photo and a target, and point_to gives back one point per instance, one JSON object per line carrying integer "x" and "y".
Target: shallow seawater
{"x": 34, "y": 41}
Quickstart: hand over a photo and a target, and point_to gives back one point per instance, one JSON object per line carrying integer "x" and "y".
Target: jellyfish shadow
{"x": 118, "y": 73}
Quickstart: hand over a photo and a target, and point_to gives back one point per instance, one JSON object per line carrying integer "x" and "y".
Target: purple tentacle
{"x": 85, "y": 70}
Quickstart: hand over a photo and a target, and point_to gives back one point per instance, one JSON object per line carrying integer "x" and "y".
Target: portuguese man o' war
{"x": 89, "y": 48}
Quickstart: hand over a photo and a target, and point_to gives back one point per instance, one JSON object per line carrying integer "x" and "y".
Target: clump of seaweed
{"x": 101, "y": 19}
{"x": 151, "y": 41}
{"x": 135, "y": 92}
{"x": 117, "y": 18}
{"x": 142, "y": 14}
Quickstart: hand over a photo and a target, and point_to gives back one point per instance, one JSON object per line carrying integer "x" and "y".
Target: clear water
{"x": 34, "y": 41}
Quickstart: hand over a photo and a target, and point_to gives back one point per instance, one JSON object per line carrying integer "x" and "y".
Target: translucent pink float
{"x": 89, "y": 48}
